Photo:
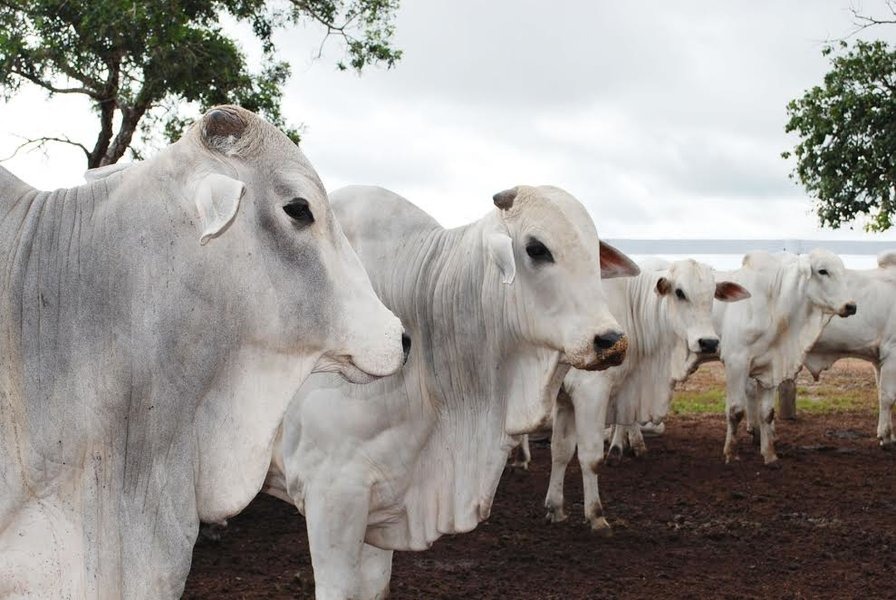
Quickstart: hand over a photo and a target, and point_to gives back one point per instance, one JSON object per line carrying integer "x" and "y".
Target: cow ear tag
{"x": 217, "y": 200}
{"x": 500, "y": 247}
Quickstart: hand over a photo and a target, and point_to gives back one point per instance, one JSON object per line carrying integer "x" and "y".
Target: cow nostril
{"x": 850, "y": 308}
{"x": 708, "y": 344}
{"x": 607, "y": 340}
{"x": 405, "y": 346}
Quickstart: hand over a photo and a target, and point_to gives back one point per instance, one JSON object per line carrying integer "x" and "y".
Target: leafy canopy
{"x": 846, "y": 156}
{"x": 140, "y": 62}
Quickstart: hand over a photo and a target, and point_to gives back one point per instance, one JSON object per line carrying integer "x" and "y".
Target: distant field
{"x": 849, "y": 386}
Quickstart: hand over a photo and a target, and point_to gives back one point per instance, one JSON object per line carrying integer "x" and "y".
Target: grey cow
{"x": 145, "y": 365}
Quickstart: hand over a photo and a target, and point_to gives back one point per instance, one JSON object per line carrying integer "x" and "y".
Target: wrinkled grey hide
{"x": 155, "y": 323}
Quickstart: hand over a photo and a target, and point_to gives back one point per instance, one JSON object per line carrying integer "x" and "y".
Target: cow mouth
{"x": 610, "y": 357}
{"x": 344, "y": 366}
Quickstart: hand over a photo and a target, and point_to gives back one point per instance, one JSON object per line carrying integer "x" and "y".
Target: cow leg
{"x": 336, "y": 520}
{"x": 736, "y": 375}
{"x": 563, "y": 445}
{"x": 636, "y": 440}
{"x": 886, "y": 383}
{"x": 590, "y": 418}
{"x": 766, "y": 400}
{"x": 626, "y": 418}
{"x": 521, "y": 456}
{"x": 752, "y": 411}
{"x": 616, "y": 445}
{"x": 376, "y": 571}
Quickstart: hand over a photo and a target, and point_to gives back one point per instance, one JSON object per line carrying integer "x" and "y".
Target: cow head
{"x": 826, "y": 283}
{"x": 264, "y": 220}
{"x": 689, "y": 288}
{"x": 547, "y": 249}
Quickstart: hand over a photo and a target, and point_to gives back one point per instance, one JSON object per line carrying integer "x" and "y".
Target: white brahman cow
{"x": 666, "y": 312}
{"x": 498, "y": 310}
{"x": 764, "y": 340}
{"x": 155, "y": 324}
{"x": 870, "y": 335}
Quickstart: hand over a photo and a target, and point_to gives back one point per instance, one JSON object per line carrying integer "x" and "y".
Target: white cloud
{"x": 665, "y": 119}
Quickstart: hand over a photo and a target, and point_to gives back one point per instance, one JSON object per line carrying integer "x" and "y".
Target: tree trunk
{"x": 129, "y": 120}
{"x": 107, "y": 112}
{"x": 787, "y": 399}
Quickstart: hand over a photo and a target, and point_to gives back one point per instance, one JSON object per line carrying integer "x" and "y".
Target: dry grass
{"x": 848, "y": 386}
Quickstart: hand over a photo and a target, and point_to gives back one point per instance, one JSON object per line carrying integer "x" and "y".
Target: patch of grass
{"x": 819, "y": 399}
{"x": 703, "y": 402}
{"x": 825, "y": 399}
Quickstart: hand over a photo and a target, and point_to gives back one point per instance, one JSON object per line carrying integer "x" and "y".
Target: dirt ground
{"x": 685, "y": 524}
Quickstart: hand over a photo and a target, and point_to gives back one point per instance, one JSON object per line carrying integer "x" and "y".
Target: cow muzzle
{"x": 848, "y": 309}
{"x": 609, "y": 350}
{"x": 708, "y": 345}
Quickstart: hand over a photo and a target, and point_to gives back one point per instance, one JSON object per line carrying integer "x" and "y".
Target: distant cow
{"x": 498, "y": 310}
{"x": 765, "y": 339}
{"x": 155, "y": 324}
{"x": 869, "y": 335}
{"x": 666, "y": 312}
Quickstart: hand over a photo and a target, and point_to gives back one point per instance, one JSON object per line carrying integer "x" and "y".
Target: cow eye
{"x": 538, "y": 252}
{"x": 823, "y": 272}
{"x": 299, "y": 211}
{"x": 680, "y": 294}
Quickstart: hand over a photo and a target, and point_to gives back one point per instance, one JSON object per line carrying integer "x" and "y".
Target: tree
{"x": 846, "y": 156}
{"x": 138, "y": 62}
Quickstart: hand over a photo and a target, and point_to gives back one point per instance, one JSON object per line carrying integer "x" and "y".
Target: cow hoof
{"x": 213, "y": 532}
{"x": 757, "y": 437}
{"x": 556, "y": 515}
{"x": 887, "y": 445}
{"x": 601, "y": 527}
{"x": 772, "y": 462}
{"x": 519, "y": 465}
{"x": 614, "y": 456}
{"x": 731, "y": 457}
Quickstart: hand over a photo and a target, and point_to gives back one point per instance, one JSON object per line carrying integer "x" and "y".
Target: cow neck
{"x": 472, "y": 366}
{"x": 789, "y": 317}
{"x": 644, "y": 315}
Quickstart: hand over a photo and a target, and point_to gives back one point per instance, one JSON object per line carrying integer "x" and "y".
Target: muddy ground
{"x": 685, "y": 524}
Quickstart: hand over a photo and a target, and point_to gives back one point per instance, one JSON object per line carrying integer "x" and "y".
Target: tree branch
{"x": 862, "y": 22}
{"x": 56, "y": 90}
{"x": 43, "y": 141}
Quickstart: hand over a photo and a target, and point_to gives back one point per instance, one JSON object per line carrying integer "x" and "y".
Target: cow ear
{"x": 728, "y": 291}
{"x": 217, "y": 200}
{"x": 614, "y": 263}
{"x": 500, "y": 248}
{"x": 663, "y": 286}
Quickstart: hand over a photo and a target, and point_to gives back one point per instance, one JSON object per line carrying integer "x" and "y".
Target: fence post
{"x": 787, "y": 399}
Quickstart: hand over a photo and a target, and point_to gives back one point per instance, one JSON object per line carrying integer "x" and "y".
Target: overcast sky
{"x": 665, "y": 118}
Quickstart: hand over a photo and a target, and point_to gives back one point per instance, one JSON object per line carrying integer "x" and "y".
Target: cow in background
{"x": 666, "y": 312}
{"x": 765, "y": 339}
{"x": 869, "y": 335}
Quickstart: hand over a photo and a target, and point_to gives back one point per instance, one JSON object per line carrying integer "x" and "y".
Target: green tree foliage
{"x": 846, "y": 156}
{"x": 139, "y": 61}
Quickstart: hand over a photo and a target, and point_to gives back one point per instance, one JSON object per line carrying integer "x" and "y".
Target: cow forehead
{"x": 825, "y": 259}
{"x": 691, "y": 273}
{"x": 554, "y": 210}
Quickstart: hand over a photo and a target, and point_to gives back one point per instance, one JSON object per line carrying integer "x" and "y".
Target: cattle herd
{"x": 181, "y": 333}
